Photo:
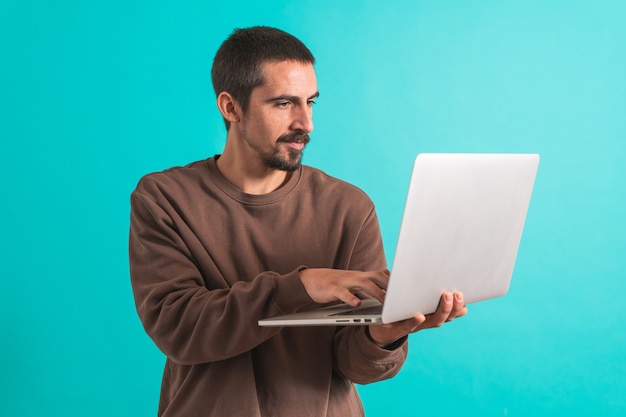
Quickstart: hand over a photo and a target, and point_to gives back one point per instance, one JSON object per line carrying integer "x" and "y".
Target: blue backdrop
{"x": 95, "y": 94}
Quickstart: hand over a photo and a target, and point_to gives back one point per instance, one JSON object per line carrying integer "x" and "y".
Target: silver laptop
{"x": 460, "y": 231}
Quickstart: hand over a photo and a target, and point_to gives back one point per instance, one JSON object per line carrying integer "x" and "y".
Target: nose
{"x": 303, "y": 119}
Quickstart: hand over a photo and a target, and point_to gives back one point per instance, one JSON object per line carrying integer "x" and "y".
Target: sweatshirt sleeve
{"x": 356, "y": 357}
{"x": 190, "y": 323}
{"x": 360, "y": 360}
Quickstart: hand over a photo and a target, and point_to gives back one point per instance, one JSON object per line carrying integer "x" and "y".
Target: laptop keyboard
{"x": 361, "y": 311}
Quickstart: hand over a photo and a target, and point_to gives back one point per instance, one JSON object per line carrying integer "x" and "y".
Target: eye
{"x": 311, "y": 103}
{"x": 283, "y": 104}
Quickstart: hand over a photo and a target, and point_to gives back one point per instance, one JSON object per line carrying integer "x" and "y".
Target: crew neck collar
{"x": 254, "y": 199}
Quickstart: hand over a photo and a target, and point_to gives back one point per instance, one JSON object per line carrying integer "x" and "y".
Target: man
{"x": 251, "y": 233}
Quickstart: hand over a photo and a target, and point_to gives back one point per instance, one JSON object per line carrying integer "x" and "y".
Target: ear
{"x": 228, "y": 106}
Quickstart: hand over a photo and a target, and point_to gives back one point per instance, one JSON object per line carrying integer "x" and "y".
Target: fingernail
{"x": 447, "y": 297}
{"x": 459, "y": 297}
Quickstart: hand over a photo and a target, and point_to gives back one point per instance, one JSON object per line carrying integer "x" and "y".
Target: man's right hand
{"x": 328, "y": 285}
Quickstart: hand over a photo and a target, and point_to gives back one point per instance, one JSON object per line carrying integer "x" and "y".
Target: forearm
{"x": 195, "y": 325}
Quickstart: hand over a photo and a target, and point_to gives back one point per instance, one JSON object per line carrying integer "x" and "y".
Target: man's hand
{"x": 328, "y": 285}
{"x": 451, "y": 306}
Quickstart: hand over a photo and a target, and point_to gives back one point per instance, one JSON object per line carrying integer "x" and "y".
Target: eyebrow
{"x": 288, "y": 97}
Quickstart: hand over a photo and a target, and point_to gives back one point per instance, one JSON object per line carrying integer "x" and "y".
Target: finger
{"x": 345, "y": 295}
{"x": 381, "y": 278}
{"x": 458, "y": 309}
{"x": 443, "y": 311}
{"x": 361, "y": 295}
{"x": 367, "y": 283}
{"x": 371, "y": 289}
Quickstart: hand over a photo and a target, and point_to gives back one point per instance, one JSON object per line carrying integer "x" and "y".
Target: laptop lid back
{"x": 460, "y": 231}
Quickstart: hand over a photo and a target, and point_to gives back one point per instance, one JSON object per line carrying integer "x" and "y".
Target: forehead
{"x": 289, "y": 77}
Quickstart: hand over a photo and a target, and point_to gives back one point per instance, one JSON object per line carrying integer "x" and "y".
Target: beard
{"x": 293, "y": 158}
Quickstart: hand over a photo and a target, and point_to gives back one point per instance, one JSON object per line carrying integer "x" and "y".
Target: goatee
{"x": 293, "y": 159}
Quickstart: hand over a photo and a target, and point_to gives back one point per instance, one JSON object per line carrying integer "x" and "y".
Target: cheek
{"x": 275, "y": 125}
{"x": 270, "y": 123}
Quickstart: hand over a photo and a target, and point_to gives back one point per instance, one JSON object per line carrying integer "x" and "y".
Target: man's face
{"x": 278, "y": 120}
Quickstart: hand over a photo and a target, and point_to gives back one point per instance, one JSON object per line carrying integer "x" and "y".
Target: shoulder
{"x": 179, "y": 179}
{"x": 335, "y": 189}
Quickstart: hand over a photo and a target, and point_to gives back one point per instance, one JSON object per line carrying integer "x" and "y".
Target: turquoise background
{"x": 94, "y": 94}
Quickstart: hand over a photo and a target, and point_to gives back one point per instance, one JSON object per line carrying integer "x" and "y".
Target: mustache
{"x": 297, "y": 136}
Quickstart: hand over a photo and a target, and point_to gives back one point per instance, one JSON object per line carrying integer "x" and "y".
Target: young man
{"x": 221, "y": 243}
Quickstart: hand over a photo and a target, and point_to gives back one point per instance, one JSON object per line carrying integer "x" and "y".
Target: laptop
{"x": 460, "y": 231}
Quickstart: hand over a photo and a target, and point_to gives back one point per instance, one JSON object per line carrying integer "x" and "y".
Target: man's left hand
{"x": 450, "y": 307}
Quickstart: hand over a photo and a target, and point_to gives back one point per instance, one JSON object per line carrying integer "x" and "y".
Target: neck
{"x": 250, "y": 176}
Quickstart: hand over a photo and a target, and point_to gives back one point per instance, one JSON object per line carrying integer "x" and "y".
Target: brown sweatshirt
{"x": 208, "y": 261}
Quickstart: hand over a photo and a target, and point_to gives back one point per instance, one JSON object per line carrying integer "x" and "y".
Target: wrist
{"x": 385, "y": 345}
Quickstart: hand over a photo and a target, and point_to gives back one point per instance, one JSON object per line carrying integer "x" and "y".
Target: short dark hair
{"x": 237, "y": 66}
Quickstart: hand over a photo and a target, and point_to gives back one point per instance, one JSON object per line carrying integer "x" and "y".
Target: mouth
{"x": 296, "y": 140}
{"x": 295, "y": 145}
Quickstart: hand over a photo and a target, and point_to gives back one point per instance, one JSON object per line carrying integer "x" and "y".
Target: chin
{"x": 289, "y": 163}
